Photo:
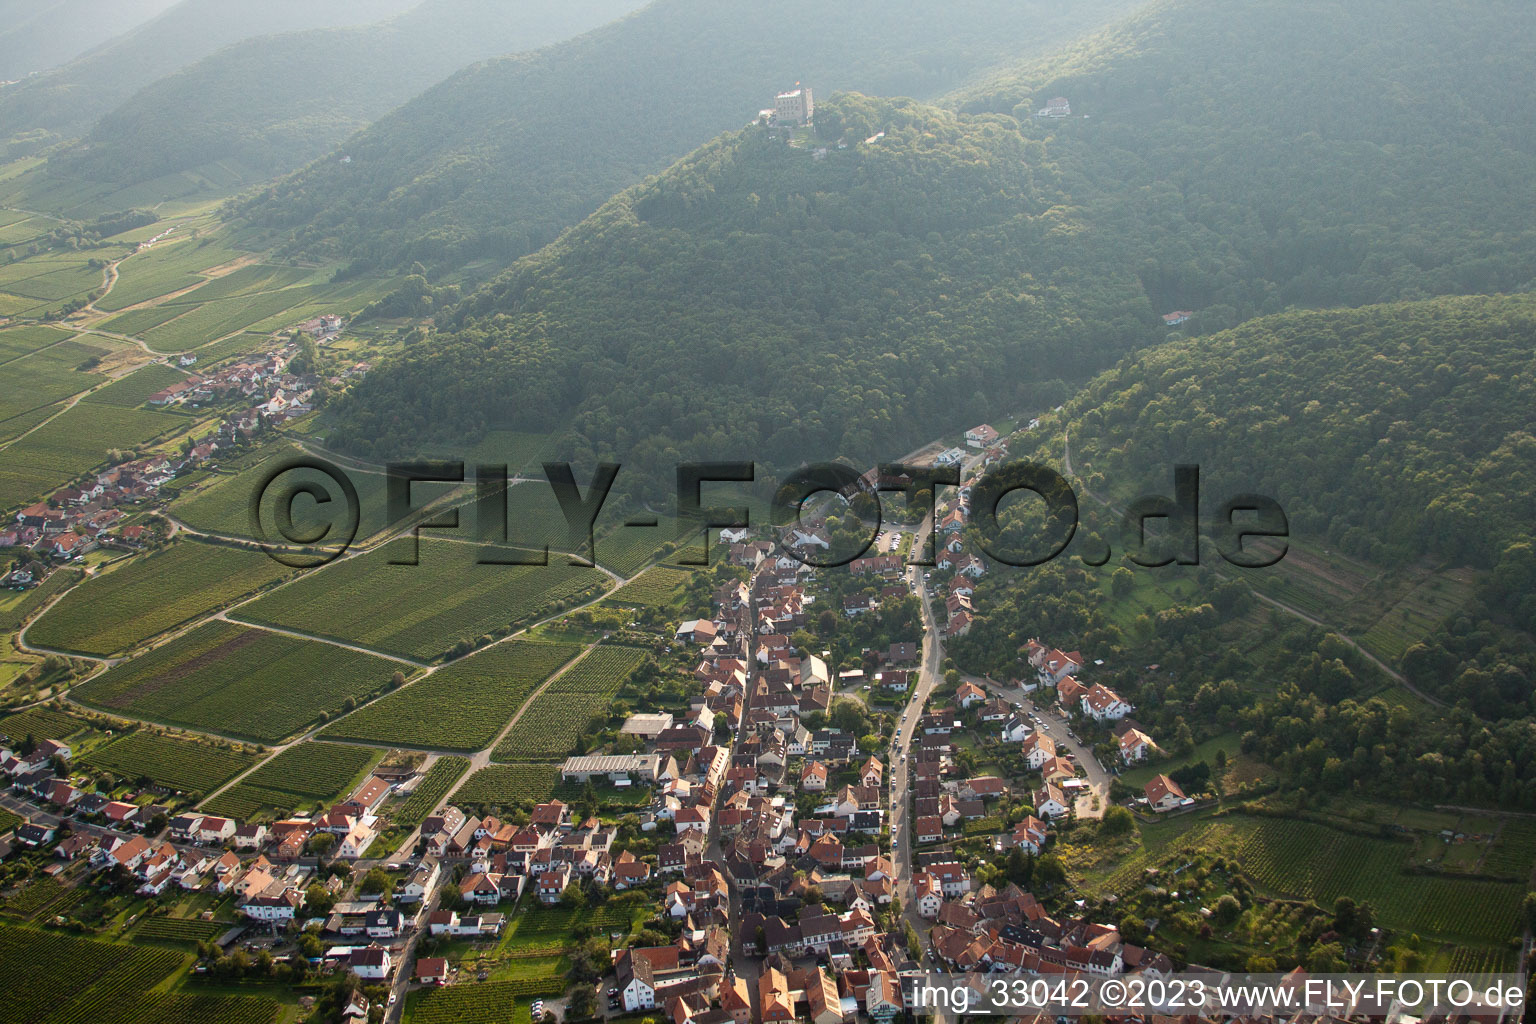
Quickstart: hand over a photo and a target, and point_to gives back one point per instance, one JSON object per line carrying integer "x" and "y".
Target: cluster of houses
{"x": 263, "y": 383}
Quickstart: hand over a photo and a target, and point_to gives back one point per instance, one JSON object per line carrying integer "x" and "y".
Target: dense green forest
{"x": 780, "y": 303}
{"x": 63, "y": 102}
{"x": 1401, "y": 432}
{"x": 273, "y": 103}
{"x": 777, "y": 303}
{"x": 36, "y": 35}
{"x": 497, "y": 160}
{"x": 1254, "y": 156}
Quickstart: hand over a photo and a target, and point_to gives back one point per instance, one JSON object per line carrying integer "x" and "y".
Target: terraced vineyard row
{"x": 499, "y": 784}
{"x": 430, "y": 790}
{"x": 304, "y": 774}
{"x": 239, "y": 681}
{"x": 182, "y": 764}
{"x": 657, "y": 587}
{"x": 495, "y": 1002}
{"x": 462, "y": 706}
{"x": 178, "y": 929}
{"x": 551, "y": 725}
{"x": 1301, "y": 859}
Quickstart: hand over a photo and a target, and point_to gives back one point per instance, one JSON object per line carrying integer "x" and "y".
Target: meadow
{"x": 239, "y": 681}
{"x": 425, "y": 610}
{"x": 180, "y": 763}
{"x": 143, "y": 597}
{"x": 461, "y": 706}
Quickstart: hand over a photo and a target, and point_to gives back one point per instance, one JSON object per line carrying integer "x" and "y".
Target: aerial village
{"x": 803, "y": 836}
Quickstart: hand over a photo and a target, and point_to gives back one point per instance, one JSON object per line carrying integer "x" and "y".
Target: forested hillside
{"x": 1259, "y": 154}
{"x": 274, "y": 103}
{"x": 497, "y": 160}
{"x": 763, "y": 299}
{"x": 36, "y": 35}
{"x": 63, "y": 102}
{"x": 1403, "y": 433}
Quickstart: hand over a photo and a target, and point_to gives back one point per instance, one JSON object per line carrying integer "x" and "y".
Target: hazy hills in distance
{"x": 273, "y": 103}
{"x": 36, "y": 35}
{"x": 63, "y": 102}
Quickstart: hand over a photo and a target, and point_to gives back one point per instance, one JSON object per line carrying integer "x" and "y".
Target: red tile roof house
{"x": 432, "y": 970}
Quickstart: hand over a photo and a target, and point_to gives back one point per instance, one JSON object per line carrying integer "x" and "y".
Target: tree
{"x": 582, "y": 1002}
{"x": 318, "y": 899}
{"x": 1226, "y": 911}
{"x": 1117, "y": 821}
{"x": 1122, "y": 583}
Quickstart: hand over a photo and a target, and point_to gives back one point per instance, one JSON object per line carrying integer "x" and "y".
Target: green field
{"x": 135, "y": 388}
{"x": 178, "y": 763}
{"x": 214, "y": 320}
{"x": 500, "y": 784}
{"x": 1303, "y": 860}
{"x": 169, "y": 266}
{"x": 424, "y": 610}
{"x": 47, "y": 376}
{"x": 238, "y": 681}
{"x": 549, "y": 728}
{"x": 18, "y": 341}
{"x": 302, "y": 775}
{"x": 462, "y": 706}
{"x": 658, "y": 587}
{"x": 74, "y": 442}
{"x": 43, "y": 723}
{"x": 429, "y": 792}
{"x": 60, "y": 979}
{"x": 16, "y": 606}
{"x": 223, "y": 504}
{"x": 146, "y": 596}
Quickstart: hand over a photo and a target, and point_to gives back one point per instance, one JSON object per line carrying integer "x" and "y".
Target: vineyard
{"x": 304, "y": 774}
{"x": 551, "y": 725}
{"x": 496, "y": 1002}
{"x": 462, "y": 706}
{"x": 14, "y": 614}
{"x": 146, "y": 596}
{"x": 238, "y": 681}
{"x": 65, "y": 980}
{"x": 657, "y": 587}
{"x": 430, "y": 791}
{"x": 182, "y": 764}
{"x": 499, "y": 785}
{"x": 1513, "y": 853}
{"x": 1303, "y": 860}
{"x": 178, "y": 929}
{"x": 43, "y": 724}
{"x": 34, "y": 896}
{"x": 422, "y": 611}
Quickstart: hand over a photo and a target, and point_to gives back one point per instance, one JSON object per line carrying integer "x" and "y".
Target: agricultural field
{"x": 462, "y": 706}
{"x": 222, "y": 317}
{"x": 424, "y": 610}
{"x": 658, "y": 587}
{"x": 429, "y": 792}
{"x": 625, "y": 549}
{"x": 303, "y": 775}
{"x": 169, "y": 266}
{"x": 1303, "y": 860}
{"x": 19, "y": 341}
{"x": 47, "y": 376}
{"x": 33, "y": 286}
{"x": 71, "y": 444}
{"x": 496, "y": 1002}
{"x": 551, "y": 725}
{"x": 1435, "y": 599}
{"x": 222, "y": 505}
{"x": 500, "y": 785}
{"x": 1513, "y": 853}
{"x": 232, "y": 679}
{"x": 178, "y": 929}
{"x": 135, "y": 388}
{"x": 122, "y": 608}
{"x": 59, "y": 978}
{"x": 179, "y": 763}
{"x": 17, "y": 606}
{"x": 44, "y": 723}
